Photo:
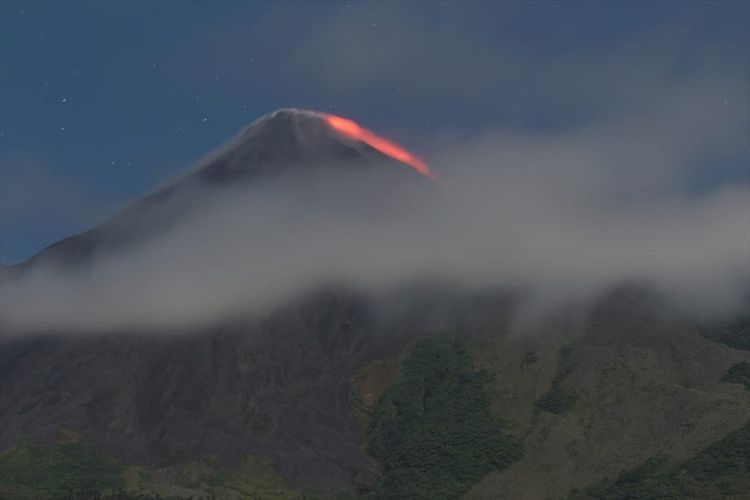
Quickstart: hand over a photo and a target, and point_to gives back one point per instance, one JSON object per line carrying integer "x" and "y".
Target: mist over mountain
{"x": 262, "y": 324}
{"x": 291, "y": 205}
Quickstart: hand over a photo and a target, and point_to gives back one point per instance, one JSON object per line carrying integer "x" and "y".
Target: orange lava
{"x": 351, "y": 129}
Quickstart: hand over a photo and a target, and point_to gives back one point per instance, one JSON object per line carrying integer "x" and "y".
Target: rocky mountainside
{"x": 629, "y": 384}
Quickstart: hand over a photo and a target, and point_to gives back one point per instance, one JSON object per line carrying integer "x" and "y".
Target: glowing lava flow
{"x": 351, "y": 129}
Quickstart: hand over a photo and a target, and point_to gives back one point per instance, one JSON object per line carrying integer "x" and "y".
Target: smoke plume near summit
{"x": 563, "y": 216}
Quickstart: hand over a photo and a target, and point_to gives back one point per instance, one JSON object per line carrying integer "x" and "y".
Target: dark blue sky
{"x": 101, "y": 102}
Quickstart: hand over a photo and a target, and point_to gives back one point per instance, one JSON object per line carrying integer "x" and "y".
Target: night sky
{"x": 102, "y": 102}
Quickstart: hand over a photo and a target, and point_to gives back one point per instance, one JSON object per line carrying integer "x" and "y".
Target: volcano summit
{"x": 285, "y": 143}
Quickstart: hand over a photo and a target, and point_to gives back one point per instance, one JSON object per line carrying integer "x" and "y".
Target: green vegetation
{"x": 638, "y": 483}
{"x": 432, "y": 429}
{"x": 558, "y": 399}
{"x": 256, "y": 477}
{"x": 312, "y": 495}
{"x": 720, "y": 471}
{"x": 735, "y": 333}
{"x": 739, "y": 374}
{"x": 76, "y": 470}
{"x": 69, "y": 470}
{"x": 529, "y": 359}
{"x": 367, "y": 385}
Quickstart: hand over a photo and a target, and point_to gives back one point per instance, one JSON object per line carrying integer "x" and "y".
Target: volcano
{"x": 275, "y": 405}
{"x": 287, "y": 142}
{"x": 278, "y": 386}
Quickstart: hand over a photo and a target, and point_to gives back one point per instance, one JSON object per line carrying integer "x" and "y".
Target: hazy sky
{"x": 100, "y": 102}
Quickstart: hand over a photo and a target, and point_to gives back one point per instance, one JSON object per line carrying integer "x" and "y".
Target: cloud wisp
{"x": 564, "y": 216}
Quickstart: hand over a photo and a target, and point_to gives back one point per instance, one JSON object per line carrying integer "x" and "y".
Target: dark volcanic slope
{"x": 278, "y": 387}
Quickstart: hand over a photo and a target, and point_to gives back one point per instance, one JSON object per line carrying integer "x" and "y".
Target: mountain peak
{"x": 292, "y": 138}
{"x": 287, "y": 139}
